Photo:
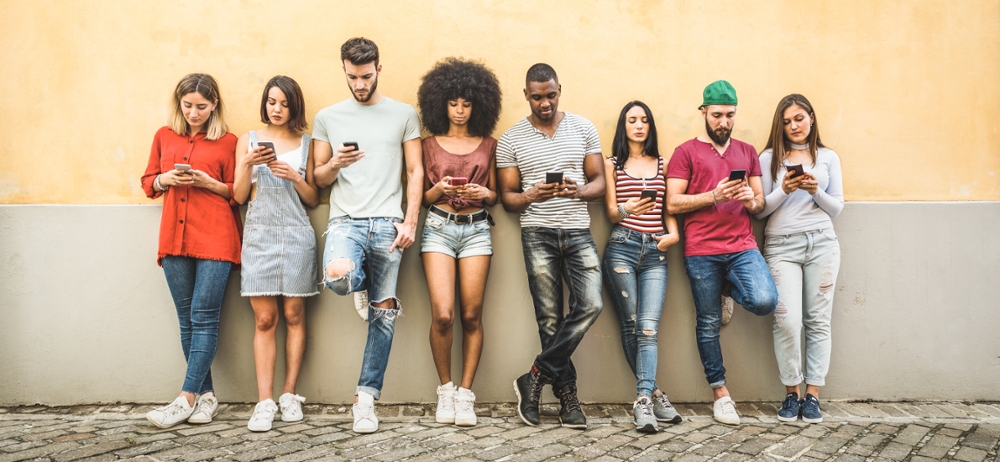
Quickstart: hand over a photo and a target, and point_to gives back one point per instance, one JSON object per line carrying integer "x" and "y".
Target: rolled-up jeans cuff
{"x": 369, "y": 390}
{"x": 718, "y": 384}
{"x": 815, "y": 382}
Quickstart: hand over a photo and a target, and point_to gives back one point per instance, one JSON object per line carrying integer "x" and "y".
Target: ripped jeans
{"x": 804, "y": 267}
{"x": 751, "y": 287}
{"x": 635, "y": 273}
{"x": 365, "y": 243}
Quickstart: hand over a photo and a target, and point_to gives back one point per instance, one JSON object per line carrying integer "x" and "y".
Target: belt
{"x": 462, "y": 219}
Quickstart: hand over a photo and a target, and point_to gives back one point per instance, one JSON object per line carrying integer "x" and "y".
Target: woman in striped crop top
{"x": 635, "y": 265}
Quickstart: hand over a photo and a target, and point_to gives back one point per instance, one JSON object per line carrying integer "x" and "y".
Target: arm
{"x": 515, "y": 200}
{"x": 611, "y": 192}
{"x": 242, "y": 186}
{"x": 323, "y": 171}
{"x": 672, "y": 235}
{"x": 305, "y": 187}
{"x": 832, "y": 200}
{"x": 152, "y": 171}
{"x": 406, "y": 231}
{"x": 753, "y": 199}
{"x": 595, "y": 187}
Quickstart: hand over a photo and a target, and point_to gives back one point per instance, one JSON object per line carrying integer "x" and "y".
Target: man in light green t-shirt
{"x": 361, "y": 146}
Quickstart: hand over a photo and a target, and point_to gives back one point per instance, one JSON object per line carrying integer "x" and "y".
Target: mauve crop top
{"x": 475, "y": 166}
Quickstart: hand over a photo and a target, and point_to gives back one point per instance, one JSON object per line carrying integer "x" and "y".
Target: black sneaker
{"x": 810, "y": 410}
{"x": 529, "y": 389}
{"x": 570, "y": 415}
{"x": 789, "y": 411}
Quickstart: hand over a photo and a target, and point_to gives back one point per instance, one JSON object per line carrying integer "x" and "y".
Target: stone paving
{"x": 852, "y": 431}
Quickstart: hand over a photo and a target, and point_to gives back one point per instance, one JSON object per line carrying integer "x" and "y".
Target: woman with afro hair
{"x": 459, "y": 103}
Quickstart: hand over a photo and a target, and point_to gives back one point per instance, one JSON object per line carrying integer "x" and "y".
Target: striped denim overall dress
{"x": 279, "y": 243}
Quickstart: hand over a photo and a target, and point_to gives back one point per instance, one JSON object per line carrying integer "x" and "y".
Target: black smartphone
{"x": 796, "y": 169}
{"x": 351, "y": 144}
{"x": 553, "y": 177}
{"x": 648, "y": 193}
{"x": 268, "y": 145}
{"x": 737, "y": 175}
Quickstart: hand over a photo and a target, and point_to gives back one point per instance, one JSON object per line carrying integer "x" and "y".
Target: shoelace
{"x": 536, "y": 390}
{"x": 172, "y": 409}
{"x": 259, "y": 412}
{"x": 645, "y": 409}
{"x": 365, "y": 411}
{"x": 728, "y": 406}
{"x": 570, "y": 401}
{"x": 203, "y": 405}
{"x": 662, "y": 399}
{"x": 791, "y": 398}
{"x": 294, "y": 402}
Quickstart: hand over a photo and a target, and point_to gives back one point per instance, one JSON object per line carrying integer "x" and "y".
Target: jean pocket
{"x": 829, "y": 234}
{"x": 618, "y": 236}
{"x": 481, "y": 226}
{"x": 772, "y": 241}
{"x": 433, "y": 222}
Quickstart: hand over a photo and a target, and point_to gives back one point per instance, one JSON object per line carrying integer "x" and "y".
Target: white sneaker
{"x": 364, "y": 414}
{"x": 361, "y": 303}
{"x": 171, "y": 414}
{"x": 727, "y": 309}
{"x": 445, "y": 412}
{"x": 263, "y": 415}
{"x": 205, "y": 408}
{"x": 725, "y": 411}
{"x": 291, "y": 407}
{"x": 465, "y": 408}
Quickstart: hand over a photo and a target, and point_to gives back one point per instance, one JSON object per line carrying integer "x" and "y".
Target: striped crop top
{"x": 627, "y": 187}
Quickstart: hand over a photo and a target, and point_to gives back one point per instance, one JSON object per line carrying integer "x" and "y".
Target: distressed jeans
{"x": 635, "y": 273}
{"x": 365, "y": 242}
{"x": 804, "y": 267}
{"x": 552, "y": 256}
{"x": 197, "y": 287}
{"x": 751, "y": 287}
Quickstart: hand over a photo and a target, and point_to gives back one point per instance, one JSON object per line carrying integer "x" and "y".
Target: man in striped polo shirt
{"x": 549, "y": 166}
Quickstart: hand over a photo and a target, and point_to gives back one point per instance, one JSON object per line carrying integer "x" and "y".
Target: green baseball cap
{"x": 718, "y": 92}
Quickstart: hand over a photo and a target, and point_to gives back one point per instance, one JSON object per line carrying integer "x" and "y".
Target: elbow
{"x": 673, "y": 209}
{"x": 836, "y": 211}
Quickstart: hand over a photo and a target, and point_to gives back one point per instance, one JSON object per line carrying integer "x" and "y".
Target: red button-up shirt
{"x": 196, "y": 222}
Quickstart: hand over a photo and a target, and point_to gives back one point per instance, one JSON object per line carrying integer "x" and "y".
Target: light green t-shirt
{"x": 372, "y": 186}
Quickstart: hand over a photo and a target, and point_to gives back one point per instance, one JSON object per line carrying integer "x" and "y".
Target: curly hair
{"x": 453, "y": 78}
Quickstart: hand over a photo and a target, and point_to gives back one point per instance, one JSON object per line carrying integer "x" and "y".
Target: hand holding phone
{"x": 796, "y": 170}
{"x": 351, "y": 144}
{"x": 183, "y": 168}
{"x": 346, "y": 155}
{"x": 458, "y": 181}
{"x": 554, "y": 177}
{"x": 739, "y": 174}
{"x": 648, "y": 194}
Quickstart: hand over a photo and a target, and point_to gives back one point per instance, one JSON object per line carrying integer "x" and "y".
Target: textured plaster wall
{"x": 906, "y": 92}
{"x": 87, "y": 317}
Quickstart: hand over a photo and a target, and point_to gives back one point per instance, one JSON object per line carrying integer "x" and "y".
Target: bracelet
{"x": 158, "y": 185}
{"x": 714, "y": 202}
{"x": 622, "y": 212}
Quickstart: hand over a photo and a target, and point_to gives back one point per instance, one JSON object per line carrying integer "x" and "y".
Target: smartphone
{"x": 267, "y": 145}
{"x": 351, "y": 144}
{"x": 554, "y": 177}
{"x": 183, "y": 167}
{"x": 648, "y": 193}
{"x": 458, "y": 181}
{"x": 797, "y": 169}
{"x": 737, "y": 175}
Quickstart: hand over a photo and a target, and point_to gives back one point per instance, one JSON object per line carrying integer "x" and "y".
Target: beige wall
{"x": 906, "y": 92}
{"x": 86, "y": 317}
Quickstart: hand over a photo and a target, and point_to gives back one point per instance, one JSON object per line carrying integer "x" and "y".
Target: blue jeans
{"x": 751, "y": 287}
{"x": 804, "y": 267}
{"x": 552, "y": 256}
{"x": 635, "y": 272}
{"x": 197, "y": 287}
{"x": 365, "y": 242}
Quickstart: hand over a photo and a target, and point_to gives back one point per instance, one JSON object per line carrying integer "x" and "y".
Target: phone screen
{"x": 351, "y": 144}
{"x": 554, "y": 177}
{"x": 650, "y": 193}
{"x": 737, "y": 175}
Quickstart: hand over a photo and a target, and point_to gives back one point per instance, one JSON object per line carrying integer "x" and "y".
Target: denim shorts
{"x": 457, "y": 241}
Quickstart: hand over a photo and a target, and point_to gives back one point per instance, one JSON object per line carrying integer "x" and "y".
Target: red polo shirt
{"x": 196, "y": 222}
{"x": 721, "y": 228}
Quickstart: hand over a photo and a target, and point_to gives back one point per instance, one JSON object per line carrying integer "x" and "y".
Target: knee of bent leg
{"x": 763, "y": 302}
{"x": 338, "y": 268}
{"x": 646, "y": 335}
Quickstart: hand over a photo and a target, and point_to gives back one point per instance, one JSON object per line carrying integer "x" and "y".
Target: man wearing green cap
{"x": 714, "y": 181}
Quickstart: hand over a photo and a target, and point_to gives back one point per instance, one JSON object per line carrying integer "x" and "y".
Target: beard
{"x": 719, "y": 138}
{"x": 368, "y": 96}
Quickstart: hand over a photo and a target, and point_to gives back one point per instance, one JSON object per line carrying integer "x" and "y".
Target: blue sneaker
{"x": 789, "y": 411}
{"x": 810, "y": 410}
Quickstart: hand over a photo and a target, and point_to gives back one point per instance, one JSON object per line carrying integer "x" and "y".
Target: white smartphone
{"x": 183, "y": 167}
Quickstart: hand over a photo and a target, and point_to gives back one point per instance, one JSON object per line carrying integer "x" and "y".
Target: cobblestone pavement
{"x": 852, "y": 432}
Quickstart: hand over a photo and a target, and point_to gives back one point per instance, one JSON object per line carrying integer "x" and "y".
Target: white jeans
{"x": 804, "y": 267}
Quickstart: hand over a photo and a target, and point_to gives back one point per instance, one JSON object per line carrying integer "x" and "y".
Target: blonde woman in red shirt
{"x": 192, "y": 166}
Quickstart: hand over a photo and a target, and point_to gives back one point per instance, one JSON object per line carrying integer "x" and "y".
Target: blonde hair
{"x": 206, "y": 86}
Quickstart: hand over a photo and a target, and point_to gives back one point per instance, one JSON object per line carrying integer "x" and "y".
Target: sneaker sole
{"x": 734, "y": 424}
{"x": 465, "y": 423}
{"x": 290, "y": 419}
{"x": 201, "y": 421}
{"x": 259, "y": 430}
{"x": 444, "y": 420}
{"x": 819, "y": 420}
{"x": 674, "y": 420}
{"x": 648, "y": 428}
{"x": 364, "y": 432}
{"x": 158, "y": 425}
{"x": 789, "y": 419}
{"x": 518, "y": 393}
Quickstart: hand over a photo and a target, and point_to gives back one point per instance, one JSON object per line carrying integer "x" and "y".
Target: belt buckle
{"x": 463, "y": 219}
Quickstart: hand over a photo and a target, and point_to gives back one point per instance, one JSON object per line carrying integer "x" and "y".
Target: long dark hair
{"x": 780, "y": 150}
{"x": 296, "y": 102}
{"x": 619, "y": 147}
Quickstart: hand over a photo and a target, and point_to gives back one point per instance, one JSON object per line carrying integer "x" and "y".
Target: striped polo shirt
{"x": 628, "y": 187}
{"x": 534, "y": 153}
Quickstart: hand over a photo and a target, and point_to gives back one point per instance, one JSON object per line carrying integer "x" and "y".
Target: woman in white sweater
{"x": 802, "y": 184}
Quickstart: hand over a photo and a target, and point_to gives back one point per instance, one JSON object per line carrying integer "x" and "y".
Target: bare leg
{"x": 793, "y": 389}
{"x": 812, "y": 390}
{"x": 295, "y": 342}
{"x": 265, "y": 313}
{"x": 440, "y": 271}
{"x": 472, "y": 272}
{"x": 720, "y": 392}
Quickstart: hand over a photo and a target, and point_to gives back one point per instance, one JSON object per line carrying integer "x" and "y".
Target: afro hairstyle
{"x": 453, "y": 78}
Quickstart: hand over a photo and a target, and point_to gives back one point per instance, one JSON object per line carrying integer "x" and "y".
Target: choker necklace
{"x": 800, "y": 147}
